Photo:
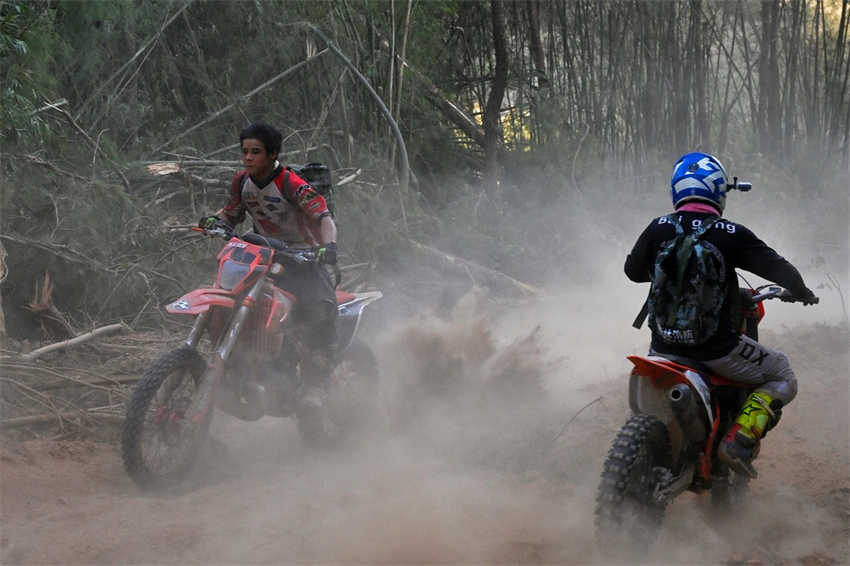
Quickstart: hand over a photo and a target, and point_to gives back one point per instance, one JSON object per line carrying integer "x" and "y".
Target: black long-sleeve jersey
{"x": 740, "y": 248}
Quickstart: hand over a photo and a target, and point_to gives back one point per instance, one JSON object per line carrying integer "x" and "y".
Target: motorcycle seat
{"x": 689, "y": 362}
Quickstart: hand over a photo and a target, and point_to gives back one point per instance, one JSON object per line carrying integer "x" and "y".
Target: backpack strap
{"x": 641, "y": 316}
{"x": 704, "y": 227}
{"x": 694, "y": 237}
{"x": 644, "y": 310}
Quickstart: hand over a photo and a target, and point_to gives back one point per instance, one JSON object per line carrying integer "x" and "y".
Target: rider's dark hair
{"x": 270, "y": 137}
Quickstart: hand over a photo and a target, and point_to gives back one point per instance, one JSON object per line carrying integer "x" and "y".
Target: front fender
{"x": 200, "y": 300}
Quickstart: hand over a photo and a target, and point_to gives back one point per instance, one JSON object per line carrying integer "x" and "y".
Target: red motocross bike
{"x": 680, "y": 410}
{"x": 251, "y": 367}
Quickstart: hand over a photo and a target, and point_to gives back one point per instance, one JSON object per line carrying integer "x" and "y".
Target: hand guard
{"x": 326, "y": 254}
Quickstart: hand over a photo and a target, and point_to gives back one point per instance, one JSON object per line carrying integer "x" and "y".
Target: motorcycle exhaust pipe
{"x": 687, "y": 412}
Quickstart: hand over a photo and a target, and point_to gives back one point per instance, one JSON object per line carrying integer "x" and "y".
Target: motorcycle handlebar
{"x": 298, "y": 255}
{"x": 776, "y": 292}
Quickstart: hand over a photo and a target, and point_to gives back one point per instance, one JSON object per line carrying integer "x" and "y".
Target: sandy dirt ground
{"x": 460, "y": 475}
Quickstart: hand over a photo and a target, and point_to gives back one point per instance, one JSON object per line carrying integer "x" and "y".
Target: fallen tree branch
{"x": 39, "y": 161}
{"x": 106, "y": 384}
{"x": 74, "y": 341}
{"x": 348, "y": 179}
{"x": 63, "y": 417}
{"x": 60, "y": 250}
{"x": 35, "y": 395}
{"x": 564, "y": 427}
{"x": 94, "y": 145}
{"x": 166, "y": 167}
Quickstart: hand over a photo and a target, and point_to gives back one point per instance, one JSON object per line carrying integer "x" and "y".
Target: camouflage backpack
{"x": 688, "y": 287}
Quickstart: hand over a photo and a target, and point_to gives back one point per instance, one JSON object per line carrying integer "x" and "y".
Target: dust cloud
{"x": 494, "y": 420}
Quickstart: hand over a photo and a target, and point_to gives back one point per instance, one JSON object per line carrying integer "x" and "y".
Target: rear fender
{"x": 200, "y": 300}
{"x": 350, "y": 312}
{"x": 650, "y": 383}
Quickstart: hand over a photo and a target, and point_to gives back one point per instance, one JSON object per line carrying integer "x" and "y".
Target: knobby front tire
{"x": 158, "y": 444}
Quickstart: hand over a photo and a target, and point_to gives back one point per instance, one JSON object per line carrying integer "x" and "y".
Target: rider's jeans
{"x": 751, "y": 362}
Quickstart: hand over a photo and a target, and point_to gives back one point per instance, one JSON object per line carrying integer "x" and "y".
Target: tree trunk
{"x": 493, "y": 108}
{"x": 769, "y": 111}
{"x": 538, "y": 74}
{"x": 701, "y": 130}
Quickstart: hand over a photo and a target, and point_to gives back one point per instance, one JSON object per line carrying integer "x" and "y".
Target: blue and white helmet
{"x": 699, "y": 177}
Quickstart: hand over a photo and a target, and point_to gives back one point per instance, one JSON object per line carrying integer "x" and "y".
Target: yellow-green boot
{"x": 740, "y": 446}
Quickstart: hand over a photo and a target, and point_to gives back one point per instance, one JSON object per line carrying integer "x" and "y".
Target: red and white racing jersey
{"x": 283, "y": 206}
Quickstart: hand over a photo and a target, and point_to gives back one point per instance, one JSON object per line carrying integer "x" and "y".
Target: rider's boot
{"x": 313, "y": 403}
{"x": 315, "y": 370}
{"x": 740, "y": 446}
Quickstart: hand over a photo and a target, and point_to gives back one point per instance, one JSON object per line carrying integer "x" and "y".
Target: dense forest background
{"x": 471, "y": 134}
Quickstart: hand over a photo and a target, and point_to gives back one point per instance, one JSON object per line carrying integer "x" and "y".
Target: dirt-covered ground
{"x": 490, "y": 450}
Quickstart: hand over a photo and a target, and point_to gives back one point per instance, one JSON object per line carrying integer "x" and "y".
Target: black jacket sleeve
{"x": 757, "y": 257}
{"x": 640, "y": 260}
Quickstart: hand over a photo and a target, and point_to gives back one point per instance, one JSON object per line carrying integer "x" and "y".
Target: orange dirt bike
{"x": 251, "y": 365}
{"x": 680, "y": 410}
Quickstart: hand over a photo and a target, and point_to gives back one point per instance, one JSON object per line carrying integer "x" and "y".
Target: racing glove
{"x": 326, "y": 254}
{"x": 208, "y": 222}
{"x": 809, "y": 298}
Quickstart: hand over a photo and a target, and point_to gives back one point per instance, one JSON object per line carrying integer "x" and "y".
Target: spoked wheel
{"x": 159, "y": 442}
{"x": 629, "y": 509}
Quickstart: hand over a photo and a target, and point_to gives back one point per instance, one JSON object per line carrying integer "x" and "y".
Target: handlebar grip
{"x": 260, "y": 240}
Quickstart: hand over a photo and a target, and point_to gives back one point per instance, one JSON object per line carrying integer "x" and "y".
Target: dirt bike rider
{"x": 284, "y": 206}
{"x": 699, "y": 185}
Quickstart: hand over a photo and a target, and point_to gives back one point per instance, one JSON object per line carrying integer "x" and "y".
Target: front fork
{"x": 202, "y": 401}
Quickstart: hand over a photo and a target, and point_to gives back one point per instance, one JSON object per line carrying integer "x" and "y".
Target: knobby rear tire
{"x": 186, "y": 367}
{"x": 628, "y": 516}
{"x": 352, "y": 400}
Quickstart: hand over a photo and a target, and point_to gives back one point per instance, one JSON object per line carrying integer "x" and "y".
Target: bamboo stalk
{"x": 246, "y": 96}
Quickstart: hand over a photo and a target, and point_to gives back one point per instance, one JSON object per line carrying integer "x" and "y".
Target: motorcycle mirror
{"x": 742, "y": 186}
